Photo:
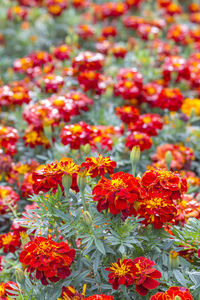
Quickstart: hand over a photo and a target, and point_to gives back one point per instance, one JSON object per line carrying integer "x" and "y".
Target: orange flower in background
{"x": 162, "y": 183}
{"x": 8, "y": 289}
{"x": 156, "y": 210}
{"x": 145, "y": 275}
{"x": 174, "y": 292}
{"x": 99, "y": 166}
{"x": 140, "y": 139}
{"x": 56, "y": 7}
{"x": 187, "y": 208}
{"x": 122, "y": 273}
{"x": 49, "y": 259}
{"x": 181, "y": 156}
{"x": 118, "y": 194}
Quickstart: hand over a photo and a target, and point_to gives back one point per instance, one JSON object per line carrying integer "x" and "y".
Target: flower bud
{"x": 87, "y": 218}
{"x": 174, "y": 259}
{"x": 24, "y": 238}
{"x": 67, "y": 181}
{"x": 82, "y": 180}
{"x": 177, "y": 298}
{"x": 135, "y": 155}
{"x": 19, "y": 275}
{"x": 168, "y": 158}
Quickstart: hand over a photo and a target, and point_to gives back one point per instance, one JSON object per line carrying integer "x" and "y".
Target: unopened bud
{"x": 82, "y": 180}
{"x": 168, "y": 158}
{"x": 87, "y": 217}
{"x": 67, "y": 181}
{"x": 135, "y": 154}
{"x": 19, "y": 275}
{"x": 174, "y": 259}
{"x": 24, "y": 238}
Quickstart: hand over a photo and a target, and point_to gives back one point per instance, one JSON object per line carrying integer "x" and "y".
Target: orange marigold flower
{"x": 8, "y": 289}
{"x": 10, "y": 242}
{"x": 187, "y": 208}
{"x": 122, "y": 272}
{"x": 156, "y": 210}
{"x": 174, "y": 292}
{"x": 164, "y": 183}
{"x": 99, "y": 166}
{"x": 145, "y": 275}
{"x": 49, "y": 259}
{"x": 117, "y": 194}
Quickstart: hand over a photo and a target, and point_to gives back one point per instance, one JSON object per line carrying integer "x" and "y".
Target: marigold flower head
{"x": 117, "y": 194}
{"x": 62, "y": 52}
{"x": 88, "y": 61}
{"x": 69, "y": 293}
{"x": 10, "y": 242}
{"x": 99, "y": 166}
{"x": 156, "y": 210}
{"x": 128, "y": 114}
{"x": 146, "y": 275}
{"x": 147, "y": 123}
{"x": 170, "y": 98}
{"x": 131, "y": 74}
{"x": 122, "y": 272}
{"x": 175, "y": 64}
{"x": 8, "y": 139}
{"x": 165, "y": 184}
{"x": 100, "y": 297}
{"x": 50, "y": 260}
{"x": 127, "y": 89}
{"x": 190, "y": 105}
{"x": 179, "y": 33}
{"x": 85, "y": 31}
{"x": 56, "y": 7}
{"x": 174, "y": 292}
{"x": 50, "y": 83}
{"x": 151, "y": 92}
{"x": 140, "y": 139}
{"x": 187, "y": 208}
{"x": 112, "y": 9}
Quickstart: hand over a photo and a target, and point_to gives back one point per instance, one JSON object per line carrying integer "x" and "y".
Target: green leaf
{"x": 100, "y": 246}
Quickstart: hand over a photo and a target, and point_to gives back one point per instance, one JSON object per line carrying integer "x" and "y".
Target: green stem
{"x": 84, "y": 201}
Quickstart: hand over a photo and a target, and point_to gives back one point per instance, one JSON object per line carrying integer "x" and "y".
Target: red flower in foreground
{"x": 69, "y": 293}
{"x": 117, "y": 194}
{"x": 99, "y": 166}
{"x": 171, "y": 99}
{"x": 156, "y": 210}
{"x": 164, "y": 183}
{"x": 49, "y": 259}
{"x": 122, "y": 272}
{"x": 145, "y": 275}
{"x": 7, "y": 289}
{"x": 140, "y": 139}
{"x": 173, "y": 293}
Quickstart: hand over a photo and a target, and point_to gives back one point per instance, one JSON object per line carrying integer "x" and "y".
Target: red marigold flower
{"x": 156, "y": 210}
{"x": 134, "y": 3}
{"x": 85, "y": 31}
{"x": 187, "y": 208}
{"x": 88, "y": 61}
{"x": 126, "y": 89}
{"x": 171, "y": 99}
{"x": 117, "y": 194}
{"x": 10, "y": 242}
{"x": 17, "y": 12}
{"x": 118, "y": 51}
{"x": 151, "y": 92}
{"x": 147, "y": 123}
{"x": 128, "y": 114}
{"x": 69, "y": 293}
{"x": 62, "y": 52}
{"x": 131, "y": 74}
{"x": 80, "y": 100}
{"x": 145, "y": 31}
{"x": 50, "y": 176}
{"x": 99, "y": 297}
{"x": 145, "y": 275}
{"x": 122, "y": 272}
{"x": 35, "y": 137}
{"x": 109, "y": 31}
{"x": 8, "y": 139}
{"x": 164, "y": 183}
{"x": 179, "y": 33}
{"x": 50, "y": 83}
{"x": 8, "y": 289}
{"x": 112, "y": 9}
{"x": 174, "y": 292}
{"x": 177, "y": 65}
{"x": 8, "y": 199}
{"x": 99, "y": 166}
{"x": 49, "y": 259}
{"x": 173, "y": 9}
{"x": 56, "y": 7}
{"x": 140, "y": 139}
